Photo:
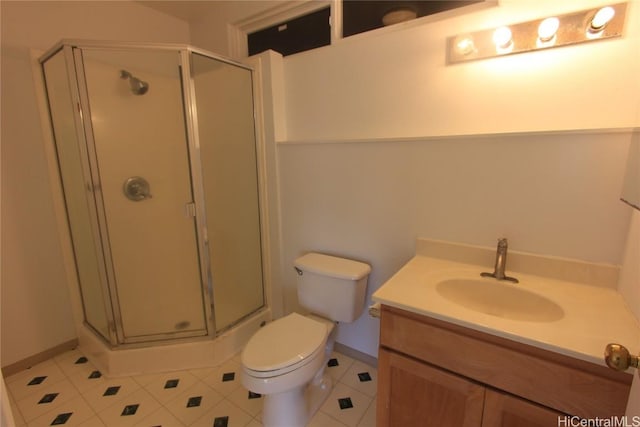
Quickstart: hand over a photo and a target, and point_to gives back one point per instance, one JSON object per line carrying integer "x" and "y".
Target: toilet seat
{"x": 284, "y": 345}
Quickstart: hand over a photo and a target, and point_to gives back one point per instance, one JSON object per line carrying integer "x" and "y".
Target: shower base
{"x": 169, "y": 357}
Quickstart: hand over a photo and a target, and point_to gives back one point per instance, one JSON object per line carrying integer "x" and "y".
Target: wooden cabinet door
{"x": 505, "y": 410}
{"x": 411, "y": 393}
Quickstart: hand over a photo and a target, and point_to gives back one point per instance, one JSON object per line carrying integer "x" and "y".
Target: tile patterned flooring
{"x": 68, "y": 390}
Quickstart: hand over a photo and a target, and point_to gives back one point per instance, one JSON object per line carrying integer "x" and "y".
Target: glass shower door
{"x": 140, "y": 159}
{"x": 226, "y": 133}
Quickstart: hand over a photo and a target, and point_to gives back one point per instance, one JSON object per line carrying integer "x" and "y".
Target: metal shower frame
{"x": 72, "y": 50}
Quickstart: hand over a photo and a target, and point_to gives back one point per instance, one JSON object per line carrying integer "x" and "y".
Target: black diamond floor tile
{"x": 171, "y": 383}
{"x": 81, "y": 360}
{"x": 364, "y": 376}
{"x": 48, "y": 398}
{"x": 345, "y": 403}
{"x": 95, "y": 374}
{"x": 130, "y": 409}
{"x": 221, "y": 422}
{"x": 332, "y": 362}
{"x": 253, "y": 395}
{"x": 194, "y": 401}
{"x": 112, "y": 391}
{"x": 61, "y": 419}
{"x": 228, "y": 376}
{"x": 37, "y": 380}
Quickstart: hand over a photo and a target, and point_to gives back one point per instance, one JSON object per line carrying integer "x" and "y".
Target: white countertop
{"x": 593, "y": 315}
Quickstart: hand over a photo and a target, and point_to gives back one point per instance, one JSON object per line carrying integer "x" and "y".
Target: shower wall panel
{"x": 73, "y": 165}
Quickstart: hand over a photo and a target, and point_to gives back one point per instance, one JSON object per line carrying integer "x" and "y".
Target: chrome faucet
{"x": 501, "y": 263}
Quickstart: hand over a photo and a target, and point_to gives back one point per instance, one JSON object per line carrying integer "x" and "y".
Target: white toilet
{"x": 285, "y": 360}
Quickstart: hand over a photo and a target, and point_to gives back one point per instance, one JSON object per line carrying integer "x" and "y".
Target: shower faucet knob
{"x": 136, "y": 189}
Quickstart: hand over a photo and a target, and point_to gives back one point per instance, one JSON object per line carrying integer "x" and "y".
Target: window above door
{"x": 300, "y": 26}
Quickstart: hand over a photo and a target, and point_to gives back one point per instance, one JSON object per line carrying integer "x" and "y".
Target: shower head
{"x": 138, "y": 87}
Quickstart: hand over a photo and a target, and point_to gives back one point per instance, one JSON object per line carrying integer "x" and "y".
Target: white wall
{"x": 630, "y": 290}
{"x": 552, "y": 193}
{"x": 36, "y": 310}
{"x": 549, "y": 194}
{"x": 629, "y": 285}
{"x": 396, "y": 83}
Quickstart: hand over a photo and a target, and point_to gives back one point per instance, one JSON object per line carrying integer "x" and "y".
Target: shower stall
{"x": 156, "y": 153}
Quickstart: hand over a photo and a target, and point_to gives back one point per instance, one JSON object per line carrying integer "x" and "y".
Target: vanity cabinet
{"x": 434, "y": 373}
{"x": 504, "y": 410}
{"x": 421, "y": 395}
{"x": 412, "y": 393}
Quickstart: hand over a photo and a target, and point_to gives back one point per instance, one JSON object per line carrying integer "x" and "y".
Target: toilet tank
{"x": 332, "y": 287}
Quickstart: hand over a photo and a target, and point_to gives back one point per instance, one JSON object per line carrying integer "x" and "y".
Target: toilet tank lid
{"x": 332, "y": 266}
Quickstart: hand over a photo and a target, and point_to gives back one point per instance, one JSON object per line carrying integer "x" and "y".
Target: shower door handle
{"x": 136, "y": 189}
{"x": 190, "y": 210}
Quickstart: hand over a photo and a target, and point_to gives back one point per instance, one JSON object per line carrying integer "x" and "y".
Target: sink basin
{"x": 500, "y": 299}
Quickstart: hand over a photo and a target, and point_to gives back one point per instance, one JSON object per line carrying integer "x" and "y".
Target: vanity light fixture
{"x": 560, "y": 30}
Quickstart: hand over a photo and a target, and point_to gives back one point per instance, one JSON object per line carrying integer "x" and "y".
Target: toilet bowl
{"x": 284, "y": 361}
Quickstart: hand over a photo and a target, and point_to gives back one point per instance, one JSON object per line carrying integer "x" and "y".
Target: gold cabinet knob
{"x": 618, "y": 357}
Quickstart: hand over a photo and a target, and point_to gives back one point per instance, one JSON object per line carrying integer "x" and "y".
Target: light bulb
{"x": 601, "y": 19}
{"x": 502, "y": 38}
{"x": 465, "y": 45}
{"x": 548, "y": 28}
